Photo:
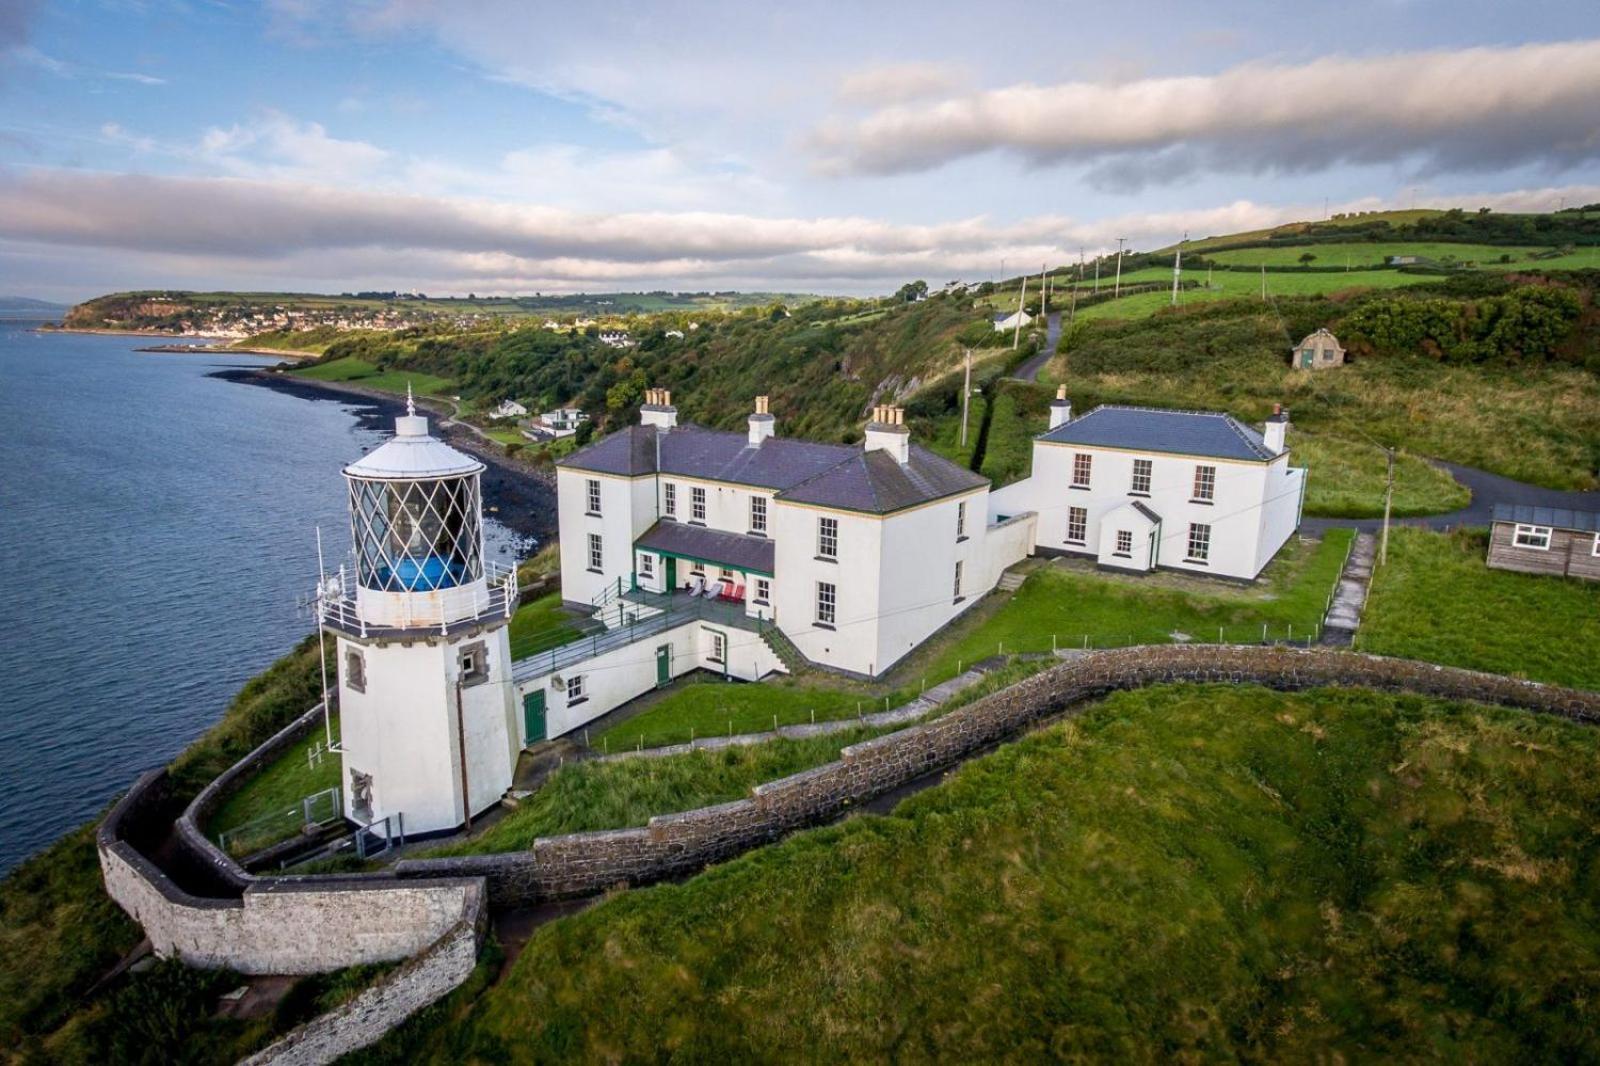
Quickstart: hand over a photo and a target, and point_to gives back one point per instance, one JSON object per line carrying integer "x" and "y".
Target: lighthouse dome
{"x": 412, "y": 453}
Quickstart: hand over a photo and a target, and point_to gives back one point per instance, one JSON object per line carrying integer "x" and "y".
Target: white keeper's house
{"x": 1138, "y": 488}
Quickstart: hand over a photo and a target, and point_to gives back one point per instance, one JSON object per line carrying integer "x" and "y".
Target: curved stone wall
{"x": 672, "y": 845}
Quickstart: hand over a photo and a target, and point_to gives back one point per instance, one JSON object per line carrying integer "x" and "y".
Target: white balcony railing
{"x": 343, "y": 604}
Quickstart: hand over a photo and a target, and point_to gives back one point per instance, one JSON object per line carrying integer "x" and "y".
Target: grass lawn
{"x": 1347, "y": 477}
{"x": 506, "y": 435}
{"x": 1363, "y": 253}
{"x": 704, "y": 706}
{"x": 1232, "y": 284}
{"x": 1182, "y": 873}
{"x": 615, "y": 795}
{"x": 1437, "y": 600}
{"x": 271, "y": 799}
{"x": 1069, "y": 600}
{"x": 539, "y": 625}
{"x": 357, "y": 371}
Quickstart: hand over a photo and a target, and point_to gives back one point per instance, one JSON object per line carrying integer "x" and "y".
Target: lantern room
{"x": 416, "y": 523}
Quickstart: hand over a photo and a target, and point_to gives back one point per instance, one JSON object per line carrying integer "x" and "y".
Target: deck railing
{"x": 338, "y": 604}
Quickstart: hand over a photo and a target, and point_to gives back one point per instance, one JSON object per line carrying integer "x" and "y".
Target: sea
{"x": 158, "y": 539}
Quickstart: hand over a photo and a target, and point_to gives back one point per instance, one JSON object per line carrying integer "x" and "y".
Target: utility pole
{"x": 1097, "y": 275}
{"x": 1118, "y": 291}
{"x": 1177, "y": 269}
{"x": 1044, "y": 291}
{"x": 966, "y": 398}
{"x": 1022, "y": 296}
{"x": 1263, "y": 283}
{"x": 1388, "y": 498}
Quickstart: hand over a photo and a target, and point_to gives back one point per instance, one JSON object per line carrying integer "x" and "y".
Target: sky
{"x": 510, "y": 146}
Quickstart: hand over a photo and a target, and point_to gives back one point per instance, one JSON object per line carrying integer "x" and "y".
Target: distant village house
{"x": 508, "y": 409}
{"x": 1004, "y": 322}
{"x": 1545, "y": 540}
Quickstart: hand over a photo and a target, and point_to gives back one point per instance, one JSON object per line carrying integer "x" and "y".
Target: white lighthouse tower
{"x": 425, "y": 698}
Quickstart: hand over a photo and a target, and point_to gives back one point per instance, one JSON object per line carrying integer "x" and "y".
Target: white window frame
{"x": 697, "y": 504}
{"x": 577, "y": 689}
{"x": 1080, "y": 517}
{"x": 1205, "y": 482}
{"x": 597, "y": 554}
{"x": 758, "y": 513}
{"x": 827, "y": 537}
{"x": 958, "y": 581}
{"x": 1538, "y": 537}
{"x": 1199, "y": 543}
{"x": 647, "y": 566}
{"x": 1143, "y": 469}
{"x": 961, "y": 520}
{"x": 670, "y": 504}
{"x": 1595, "y": 551}
{"x": 1086, "y": 461}
{"x": 719, "y": 648}
{"x": 827, "y": 604}
{"x": 592, "y": 495}
{"x": 763, "y": 592}
{"x": 1125, "y": 542}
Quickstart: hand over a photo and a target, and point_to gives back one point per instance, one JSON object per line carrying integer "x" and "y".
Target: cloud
{"x": 896, "y": 83}
{"x": 278, "y": 233}
{"x": 278, "y": 144}
{"x": 1473, "y": 109}
{"x": 27, "y": 55}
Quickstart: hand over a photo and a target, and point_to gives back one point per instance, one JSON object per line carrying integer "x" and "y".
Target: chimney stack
{"x": 887, "y": 432}
{"x": 1276, "y": 429}
{"x": 762, "y": 424}
{"x": 1060, "y": 408}
{"x": 658, "y": 410}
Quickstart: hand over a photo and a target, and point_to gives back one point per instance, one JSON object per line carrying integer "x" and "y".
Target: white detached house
{"x": 1138, "y": 488}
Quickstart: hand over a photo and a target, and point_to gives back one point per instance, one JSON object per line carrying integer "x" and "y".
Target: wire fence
{"x": 316, "y": 811}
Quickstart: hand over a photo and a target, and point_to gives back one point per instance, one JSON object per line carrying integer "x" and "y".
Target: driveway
{"x": 1029, "y": 371}
{"x": 1487, "y": 490}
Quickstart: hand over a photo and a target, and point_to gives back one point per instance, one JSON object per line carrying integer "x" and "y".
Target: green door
{"x": 672, "y": 574}
{"x": 664, "y": 663}
{"x": 533, "y": 716}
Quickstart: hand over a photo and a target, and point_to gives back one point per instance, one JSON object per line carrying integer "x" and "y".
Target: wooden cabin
{"x": 1545, "y": 540}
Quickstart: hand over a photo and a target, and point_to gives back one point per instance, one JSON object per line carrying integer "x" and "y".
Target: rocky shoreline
{"x": 517, "y": 495}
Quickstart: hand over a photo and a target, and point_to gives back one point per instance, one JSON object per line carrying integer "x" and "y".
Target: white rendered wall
{"x": 727, "y": 506}
{"x": 853, "y": 642}
{"x": 402, "y": 729}
{"x": 1244, "y": 515}
{"x": 1285, "y": 496}
{"x": 615, "y": 677}
{"x": 917, "y": 592}
{"x": 626, "y": 511}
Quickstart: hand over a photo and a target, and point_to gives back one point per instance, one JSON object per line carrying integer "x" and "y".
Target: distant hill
{"x": 27, "y": 307}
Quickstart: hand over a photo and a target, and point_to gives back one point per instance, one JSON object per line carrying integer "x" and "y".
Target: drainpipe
{"x": 461, "y": 741}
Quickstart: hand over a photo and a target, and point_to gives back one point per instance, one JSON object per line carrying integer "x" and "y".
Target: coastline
{"x": 296, "y": 354}
{"x": 518, "y": 496}
{"x": 208, "y": 347}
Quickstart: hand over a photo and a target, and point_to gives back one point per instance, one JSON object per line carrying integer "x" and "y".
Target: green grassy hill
{"x": 1184, "y": 872}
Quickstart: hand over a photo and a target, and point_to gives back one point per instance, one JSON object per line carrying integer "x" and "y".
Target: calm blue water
{"x": 157, "y": 529}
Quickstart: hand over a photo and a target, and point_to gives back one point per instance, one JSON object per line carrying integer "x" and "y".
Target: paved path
{"x": 1350, "y": 596}
{"x": 1029, "y": 371}
{"x": 1487, "y": 490}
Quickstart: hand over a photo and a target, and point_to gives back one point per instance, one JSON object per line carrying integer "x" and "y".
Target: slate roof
{"x": 737, "y": 551}
{"x": 1150, "y": 429}
{"x": 831, "y": 475}
{"x": 1554, "y": 517}
{"x": 1142, "y": 508}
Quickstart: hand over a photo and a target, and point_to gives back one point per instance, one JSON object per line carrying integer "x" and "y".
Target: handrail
{"x": 338, "y": 605}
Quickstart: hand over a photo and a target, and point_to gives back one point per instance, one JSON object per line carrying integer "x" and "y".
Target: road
{"x": 1487, "y": 490}
{"x": 1029, "y": 371}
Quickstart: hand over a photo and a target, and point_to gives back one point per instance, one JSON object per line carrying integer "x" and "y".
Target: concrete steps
{"x": 1011, "y": 581}
{"x": 1350, "y": 597}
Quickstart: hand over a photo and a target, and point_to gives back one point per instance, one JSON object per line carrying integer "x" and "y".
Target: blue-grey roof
{"x": 737, "y": 551}
{"x": 832, "y": 475}
{"x": 1554, "y": 517}
{"x": 1150, "y": 429}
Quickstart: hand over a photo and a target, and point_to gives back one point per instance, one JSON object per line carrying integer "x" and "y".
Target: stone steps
{"x": 1350, "y": 596}
{"x": 1011, "y": 581}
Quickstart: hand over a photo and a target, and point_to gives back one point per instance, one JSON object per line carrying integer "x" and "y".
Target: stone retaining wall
{"x": 672, "y": 845}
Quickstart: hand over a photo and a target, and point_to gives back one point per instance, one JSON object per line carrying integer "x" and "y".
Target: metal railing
{"x": 338, "y": 603}
{"x": 644, "y": 614}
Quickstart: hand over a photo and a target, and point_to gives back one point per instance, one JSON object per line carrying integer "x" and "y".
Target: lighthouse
{"x": 421, "y": 623}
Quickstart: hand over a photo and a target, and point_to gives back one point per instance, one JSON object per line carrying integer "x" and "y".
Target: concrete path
{"x": 1029, "y": 371}
{"x": 908, "y": 712}
{"x": 1487, "y": 490}
{"x": 1344, "y": 614}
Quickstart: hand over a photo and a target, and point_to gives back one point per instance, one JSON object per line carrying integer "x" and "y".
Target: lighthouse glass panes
{"x": 416, "y": 536}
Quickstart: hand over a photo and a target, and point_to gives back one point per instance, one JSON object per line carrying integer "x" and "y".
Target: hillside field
{"x": 1182, "y": 872}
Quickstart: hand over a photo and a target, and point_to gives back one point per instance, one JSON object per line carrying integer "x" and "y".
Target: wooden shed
{"x": 1545, "y": 540}
{"x": 1317, "y": 351}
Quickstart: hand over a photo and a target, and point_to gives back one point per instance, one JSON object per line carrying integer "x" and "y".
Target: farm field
{"x": 1437, "y": 600}
{"x": 358, "y": 372}
{"x": 1182, "y": 871}
{"x": 1336, "y": 253}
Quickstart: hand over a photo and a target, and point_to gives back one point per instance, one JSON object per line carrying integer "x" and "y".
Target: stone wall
{"x": 672, "y": 845}
{"x": 280, "y": 925}
{"x": 376, "y": 1010}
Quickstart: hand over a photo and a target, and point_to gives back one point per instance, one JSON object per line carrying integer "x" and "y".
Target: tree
{"x": 1306, "y": 258}
{"x": 910, "y": 291}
